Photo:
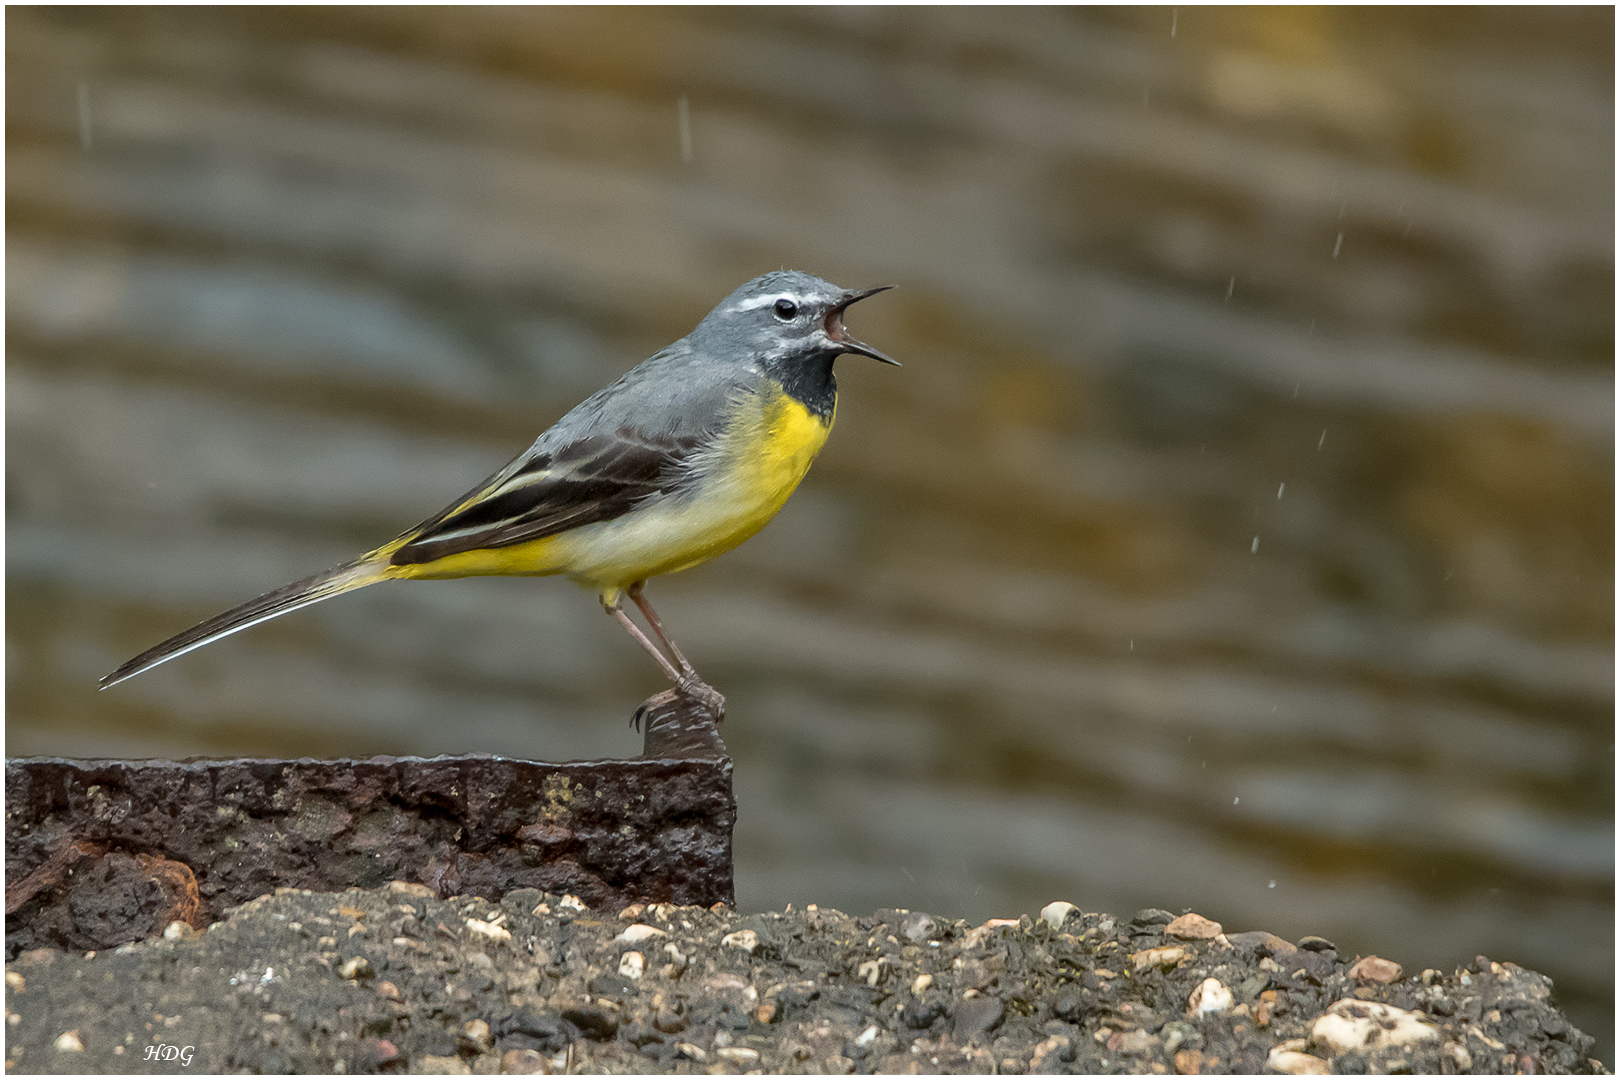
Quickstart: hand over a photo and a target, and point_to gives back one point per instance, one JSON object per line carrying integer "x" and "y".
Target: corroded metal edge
{"x": 103, "y": 849}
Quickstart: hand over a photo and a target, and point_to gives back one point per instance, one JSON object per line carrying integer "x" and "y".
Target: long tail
{"x": 299, "y": 594}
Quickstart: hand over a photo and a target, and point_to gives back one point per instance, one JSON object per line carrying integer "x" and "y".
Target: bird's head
{"x": 786, "y": 315}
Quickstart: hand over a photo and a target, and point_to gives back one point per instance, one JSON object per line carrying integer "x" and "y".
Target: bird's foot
{"x": 704, "y": 694}
{"x": 695, "y": 692}
{"x": 652, "y": 706}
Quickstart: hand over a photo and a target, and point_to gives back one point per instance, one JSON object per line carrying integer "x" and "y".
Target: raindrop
{"x": 1234, "y": 800}
{"x": 1337, "y": 244}
{"x": 1322, "y": 440}
{"x": 1280, "y": 490}
{"x": 84, "y": 117}
{"x": 683, "y": 115}
{"x": 1174, "y": 13}
{"x": 1254, "y": 548}
{"x": 1272, "y": 884}
{"x": 1230, "y": 285}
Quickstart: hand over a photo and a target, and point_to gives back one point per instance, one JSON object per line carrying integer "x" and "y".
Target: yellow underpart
{"x": 741, "y": 481}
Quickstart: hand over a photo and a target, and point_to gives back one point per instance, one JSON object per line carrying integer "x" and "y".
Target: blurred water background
{"x": 1237, "y": 537}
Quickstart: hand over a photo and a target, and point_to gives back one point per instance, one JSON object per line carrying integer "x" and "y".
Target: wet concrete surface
{"x": 395, "y": 980}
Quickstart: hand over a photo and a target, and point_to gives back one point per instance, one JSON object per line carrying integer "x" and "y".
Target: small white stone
{"x": 746, "y": 940}
{"x": 493, "y": 931}
{"x": 1211, "y": 996}
{"x": 178, "y": 931}
{"x": 69, "y": 1042}
{"x": 737, "y": 1055}
{"x": 639, "y": 932}
{"x": 921, "y": 983}
{"x": 1290, "y": 1059}
{"x": 867, "y": 1037}
{"x": 1054, "y": 913}
{"x": 1165, "y": 956}
{"x": 356, "y": 967}
{"x": 1364, "y": 1026}
{"x": 632, "y": 964}
{"x": 1460, "y": 1057}
{"x": 571, "y": 902}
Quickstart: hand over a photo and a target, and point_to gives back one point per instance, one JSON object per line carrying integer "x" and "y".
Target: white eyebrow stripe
{"x": 763, "y": 301}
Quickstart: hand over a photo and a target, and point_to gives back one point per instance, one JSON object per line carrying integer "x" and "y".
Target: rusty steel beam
{"x": 101, "y": 852}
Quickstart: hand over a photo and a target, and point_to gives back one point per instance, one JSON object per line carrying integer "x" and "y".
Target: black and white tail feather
{"x": 322, "y": 586}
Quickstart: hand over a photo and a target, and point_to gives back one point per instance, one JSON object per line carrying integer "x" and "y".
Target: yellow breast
{"x": 738, "y": 484}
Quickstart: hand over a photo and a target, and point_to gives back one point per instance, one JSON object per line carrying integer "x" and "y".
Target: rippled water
{"x": 1237, "y": 537}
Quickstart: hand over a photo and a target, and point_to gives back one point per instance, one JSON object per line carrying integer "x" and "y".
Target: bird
{"x": 681, "y": 459}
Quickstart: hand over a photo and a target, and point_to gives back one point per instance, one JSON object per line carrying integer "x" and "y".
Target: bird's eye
{"x": 786, "y": 310}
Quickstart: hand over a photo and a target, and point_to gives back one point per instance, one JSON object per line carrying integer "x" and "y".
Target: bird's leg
{"x": 685, "y": 677}
{"x": 646, "y": 643}
{"x": 635, "y": 594}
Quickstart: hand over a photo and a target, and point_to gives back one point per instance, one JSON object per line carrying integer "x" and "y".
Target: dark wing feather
{"x": 596, "y": 478}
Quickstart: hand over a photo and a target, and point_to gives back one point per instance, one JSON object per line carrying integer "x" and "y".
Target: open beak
{"x": 839, "y": 334}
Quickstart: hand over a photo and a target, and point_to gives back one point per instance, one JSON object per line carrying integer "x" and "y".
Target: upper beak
{"x": 840, "y": 335}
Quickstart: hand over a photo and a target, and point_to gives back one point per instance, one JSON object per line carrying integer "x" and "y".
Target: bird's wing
{"x": 594, "y": 478}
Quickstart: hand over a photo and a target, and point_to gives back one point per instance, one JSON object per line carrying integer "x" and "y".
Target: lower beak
{"x": 839, "y": 334}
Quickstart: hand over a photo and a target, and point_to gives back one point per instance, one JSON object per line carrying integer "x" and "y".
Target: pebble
{"x": 1211, "y": 996}
{"x": 1193, "y": 927}
{"x": 475, "y": 1035}
{"x": 1374, "y": 969}
{"x": 68, "y": 1042}
{"x": 1055, "y": 913}
{"x": 1352, "y": 1024}
{"x": 639, "y": 932}
{"x": 746, "y": 940}
{"x": 918, "y": 927}
{"x": 1289, "y": 1057}
{"x": 357, "y": 967}
{"x": 1166, "y": 957}
{"x": 523, "y": 1062}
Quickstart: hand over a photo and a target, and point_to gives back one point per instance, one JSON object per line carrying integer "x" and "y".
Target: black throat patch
{"x": 809, "y": 381}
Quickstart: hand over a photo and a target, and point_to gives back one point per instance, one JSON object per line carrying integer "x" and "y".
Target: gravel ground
{"x": 394, "y": 980}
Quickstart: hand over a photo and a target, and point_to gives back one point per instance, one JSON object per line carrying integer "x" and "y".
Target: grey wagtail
{"x": 684, "y": 457}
